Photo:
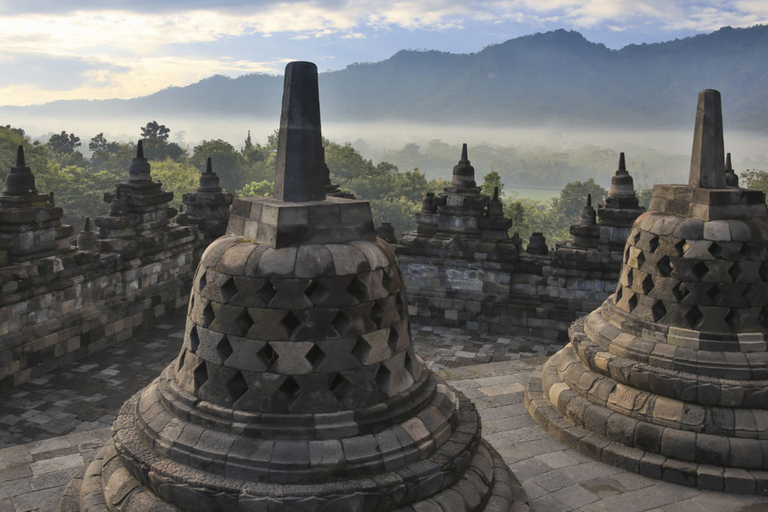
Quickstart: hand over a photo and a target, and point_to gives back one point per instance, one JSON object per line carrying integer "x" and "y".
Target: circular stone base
{"x": 487, "y": 485}
{"x": 653, "y": 465}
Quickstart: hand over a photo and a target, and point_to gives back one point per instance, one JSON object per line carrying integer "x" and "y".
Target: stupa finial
{"x": 300, "y": 165}
{"x": 707, "y": 156}
{"x": 622, "y": 164}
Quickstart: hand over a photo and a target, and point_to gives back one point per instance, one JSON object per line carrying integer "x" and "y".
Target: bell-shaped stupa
{"x": 297, "y": 387}
{"x": 669, "y": 376}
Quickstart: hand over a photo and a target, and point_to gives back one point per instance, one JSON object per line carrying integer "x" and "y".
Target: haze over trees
{"x": 394, "y": 191}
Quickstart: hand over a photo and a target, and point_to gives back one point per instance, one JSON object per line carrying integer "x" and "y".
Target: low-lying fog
{"x": 379, "y": 140}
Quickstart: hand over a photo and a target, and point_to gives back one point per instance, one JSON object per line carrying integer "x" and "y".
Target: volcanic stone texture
{"x": 297, "y": 388}
{"x": 669, "y": 377}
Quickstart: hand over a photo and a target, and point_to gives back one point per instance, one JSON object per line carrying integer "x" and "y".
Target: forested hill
{"x": 555, "y": 77}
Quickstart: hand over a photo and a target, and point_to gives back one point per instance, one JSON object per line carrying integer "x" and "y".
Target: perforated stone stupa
{"x": 669, "y": 377}
{"x": 297, "y": 387}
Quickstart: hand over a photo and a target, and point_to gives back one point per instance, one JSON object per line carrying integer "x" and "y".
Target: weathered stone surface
{"x": 307, "y": 395}
{"x": 670, "y": 355}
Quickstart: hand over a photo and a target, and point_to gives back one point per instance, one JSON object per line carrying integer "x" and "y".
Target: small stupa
{"x": 207, "y": 207}
{"x": 30, "y": 222}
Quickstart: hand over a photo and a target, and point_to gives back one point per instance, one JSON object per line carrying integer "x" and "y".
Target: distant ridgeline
{"x": 556, "y": 77}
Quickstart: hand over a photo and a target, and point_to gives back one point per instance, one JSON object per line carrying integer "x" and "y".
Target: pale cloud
{"x": 127, "y": 48}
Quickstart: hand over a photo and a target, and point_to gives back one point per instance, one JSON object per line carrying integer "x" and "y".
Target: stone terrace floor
{"x": 51, "y": 426}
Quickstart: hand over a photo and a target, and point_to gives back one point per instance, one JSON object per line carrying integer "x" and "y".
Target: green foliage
{"x": 573, "y": 197}
{"x": 492, "y": 181}
{"x": 179, "y": 178}
{"x": 227, "y": 162}
{"x": 755, "y": 179}
{"x": 262, "y": 188}
{"x": 155, "y": 132}
{"x": 644, "y": 197}
{"x": 156, "y": 145}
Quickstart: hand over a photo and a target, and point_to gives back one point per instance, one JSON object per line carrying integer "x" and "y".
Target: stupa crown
{"x": 463, "y": 172}
{"x": 20, "y": 181}
{"x": 139, "y": 169}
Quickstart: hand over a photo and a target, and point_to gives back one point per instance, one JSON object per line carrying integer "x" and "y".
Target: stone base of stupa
{"x": 582, "y": 406}
{"x": 463, "y": 474}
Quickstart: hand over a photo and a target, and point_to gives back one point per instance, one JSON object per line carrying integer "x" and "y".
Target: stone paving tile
{"x": 80, "y": 401}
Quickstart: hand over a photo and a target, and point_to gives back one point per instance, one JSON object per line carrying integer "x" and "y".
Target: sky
{"x": 54, "y": 50}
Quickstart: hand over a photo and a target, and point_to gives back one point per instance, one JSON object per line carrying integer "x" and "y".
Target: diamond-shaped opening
{"x": 632, "y": 302}
{"x": 223, "y": 349}
{"x": 640, "y": 260}
{"x": 700, "y": 269}
{"x": 626, "y": 255}
{"x": 636, "y": 238}
{"x": 394, "y": 339}
{"x": 408, "y": 363}
{"x": 267, "y": 355}
{"x": 648, "y": 284}
{"x": 714, "y": 293}
{"x": 619, "y": 293}
{"x": 653, "y": 243}
{"x": 203, "y": 281}
{"x": 228, "y": 290}
{"x": 208, "y": 315}
{"x": 665, "y": 266}
{"x": 746, "y": 249}
{"x": 291, "y": 323}
{"x": 181, "y": 360}
{"x": 715, "y": 249}
{"x": 237, "y": 386}
{"x": 630, "y": 277}
{"x": 658, "y": 310}
{"x": 400, "y": 305}
{"x": 289, "y": 391}
{"x": 194, "y": 339}
{"x": 386, "y": 281}
{"x": 315, "y": 356}
{"x": 735, "y": 271}
{"x": 764, "y": 272}
{"x": 763, "y": 317}
{"x": 341, "y": 388}
{"x": 244, "y": 322}
{"x": 341, "y": 323}
{"x": 316, "y": 292}
{"x": 383, "y": 378}
{"x": 694, "y": 317}
{"x": 267, "y": 292}
{"x": 680, "y": 292}
{"x": 681, "y": 247}
{"x": 377, "y": 314}
{"x": 357, "y": 289}
{"x": 361, "y": 350}
{"x": 200, "y": 375}
{"x": 732, "y": 320}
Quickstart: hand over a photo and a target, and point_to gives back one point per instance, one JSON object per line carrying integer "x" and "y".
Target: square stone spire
{"x": 708, "y": 154}
{"x": 300, "y": 163}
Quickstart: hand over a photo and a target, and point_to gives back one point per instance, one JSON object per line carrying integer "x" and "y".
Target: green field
{"x": 537, "y": 193}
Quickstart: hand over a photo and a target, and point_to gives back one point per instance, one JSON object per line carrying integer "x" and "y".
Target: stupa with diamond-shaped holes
{"x": 297, "y": 387}
{"x": 669, "y": 377}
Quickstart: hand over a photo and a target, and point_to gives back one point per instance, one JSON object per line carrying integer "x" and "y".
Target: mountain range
{"x": 556, "y": 77}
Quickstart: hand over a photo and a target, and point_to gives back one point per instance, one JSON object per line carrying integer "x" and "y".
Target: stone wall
{"x": 536, "y": 296}
{"x": 59, "y": 309}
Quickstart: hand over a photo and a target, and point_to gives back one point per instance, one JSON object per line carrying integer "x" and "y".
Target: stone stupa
{"x": 297, "y": 387}
{"x": 669, "y": 376}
